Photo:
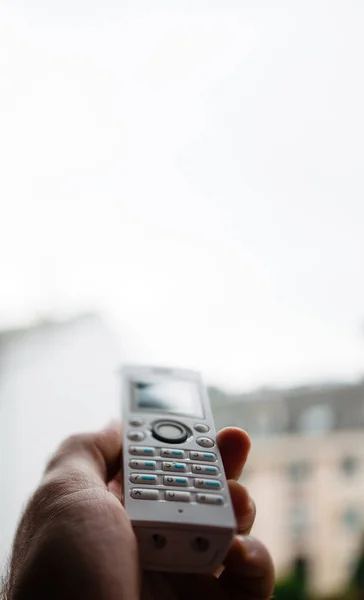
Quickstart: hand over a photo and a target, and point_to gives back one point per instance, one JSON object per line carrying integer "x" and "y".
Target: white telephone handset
{"x": 175, "y": 489}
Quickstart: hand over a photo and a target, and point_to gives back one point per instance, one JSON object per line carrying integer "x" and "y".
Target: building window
{"x": 349, "y": 465}
{"x": 316, "y": 419}
{"x": 299, "y": 520}
{"x": 351, "y": 519}
{"x": 299, "y": 471}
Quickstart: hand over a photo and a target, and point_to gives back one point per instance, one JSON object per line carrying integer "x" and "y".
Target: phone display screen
{"x": 176, "y": 396}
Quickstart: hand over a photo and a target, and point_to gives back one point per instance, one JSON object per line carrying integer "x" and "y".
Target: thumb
{"x": 95, "y": 457}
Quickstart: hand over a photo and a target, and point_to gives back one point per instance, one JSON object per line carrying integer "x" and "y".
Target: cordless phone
{"x": 175, "y": 489}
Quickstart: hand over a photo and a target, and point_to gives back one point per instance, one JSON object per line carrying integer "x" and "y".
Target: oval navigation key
{"x": 171, "y": 432}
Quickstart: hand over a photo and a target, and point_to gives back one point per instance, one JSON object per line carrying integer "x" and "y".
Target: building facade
{"x": 55, "y": 379}
{"x": 306, "y": 473}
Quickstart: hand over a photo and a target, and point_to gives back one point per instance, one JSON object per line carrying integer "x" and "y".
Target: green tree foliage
{"x": 357, "y": 583}
{"x": 294, "y": 587}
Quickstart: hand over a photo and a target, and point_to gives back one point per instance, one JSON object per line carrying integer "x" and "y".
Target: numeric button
{"x": 172, "y": 453}
{"x": 176, "y": 467}
{"x": 172, "y": 496}
{"x": 143, "y": 478}
{"x": 205, "y": 456}
{"x": 141, "y": 451}
{"x": 210, "y": 499}
{"x": 179, "y": 481}
{"x": 143, "y": 464}
{"x": 144, "y": 494}
{"x": 208, "y": 483}
{"x": 205, "y": 470}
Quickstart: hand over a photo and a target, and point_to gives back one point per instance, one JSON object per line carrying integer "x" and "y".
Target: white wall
{"x": 54, "y": 380}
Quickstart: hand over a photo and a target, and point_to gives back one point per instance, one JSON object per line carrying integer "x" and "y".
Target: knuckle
{"x": 74, "y": 444}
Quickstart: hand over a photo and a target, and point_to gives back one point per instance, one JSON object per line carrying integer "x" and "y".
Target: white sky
{"x": 194, "y": 169}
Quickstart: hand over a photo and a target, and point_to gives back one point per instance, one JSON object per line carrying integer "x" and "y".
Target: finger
{"x": 244, "y": 507}
{"x": 115, "y": 486}
{"x": 234, "y": 445}
{"x": 249, "y": 570}
{"x": 185, "y": 586}
{"x": 96, "y": 455}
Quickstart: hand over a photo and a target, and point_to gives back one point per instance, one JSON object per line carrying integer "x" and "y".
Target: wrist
{"x": 71, "y": 559}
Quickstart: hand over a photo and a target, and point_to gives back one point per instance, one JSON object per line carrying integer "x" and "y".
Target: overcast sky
{"x": 195, "y": 170}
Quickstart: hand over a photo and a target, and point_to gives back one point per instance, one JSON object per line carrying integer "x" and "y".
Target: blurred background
{"x": 182, "y": 184}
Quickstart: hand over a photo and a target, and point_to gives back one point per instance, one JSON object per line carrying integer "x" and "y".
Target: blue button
{"x": 148, "y": 477}
{"x": 211, "y": 469}
{"x": 148, "y": 450}
{"x": 149, "y": 463}
{"x": 177, "y": 452}
{"x": 180, "y": 479}
{"x": 208, "y": 455}
{"x": 178, "y": 466}
{"x": 213, "y": 483}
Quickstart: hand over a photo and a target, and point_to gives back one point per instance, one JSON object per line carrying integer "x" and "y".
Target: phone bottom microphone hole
{"x": 159, "y": 541}
{"x": 200, "y": 544}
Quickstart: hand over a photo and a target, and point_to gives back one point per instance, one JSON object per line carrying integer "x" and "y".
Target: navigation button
{"x": 210, "y": 499}
{"x": 144, "y": 494}
{"x": 136, "y": 421}
{"x": 172, "y": 432}
{"x": 170, "y": 480}
{"x": 143, "y": 478}
{"x": 136, "y": 436}
{"x": 143, "y": 464}
{"x": 172, "y": 496}
{"x": 201, "y": 427}
{"x": 206, "y": 442}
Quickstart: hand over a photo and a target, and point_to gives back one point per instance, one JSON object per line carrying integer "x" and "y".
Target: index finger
{"x": 249, "y": 570}
{"x": 234, "y": 445}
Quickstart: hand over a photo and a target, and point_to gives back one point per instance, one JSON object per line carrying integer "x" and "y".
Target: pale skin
{"x": 75, "y": 540}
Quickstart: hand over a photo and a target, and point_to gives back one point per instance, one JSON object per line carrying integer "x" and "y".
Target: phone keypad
{"x": 183, "y": 470}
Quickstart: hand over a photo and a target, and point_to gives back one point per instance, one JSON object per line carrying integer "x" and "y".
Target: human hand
{"x": 75, "y": 540}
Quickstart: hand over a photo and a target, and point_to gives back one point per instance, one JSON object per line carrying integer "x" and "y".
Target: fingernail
{"x": 252, "y": 506}
{"x": 248, "y": 544}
